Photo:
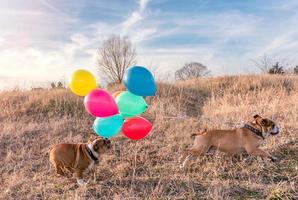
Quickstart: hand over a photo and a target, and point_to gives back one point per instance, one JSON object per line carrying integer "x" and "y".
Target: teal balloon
{"x": 130, "y": 105}
{"x": 108, "y": 126}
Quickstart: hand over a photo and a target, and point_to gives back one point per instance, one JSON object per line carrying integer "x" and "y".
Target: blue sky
{"x": 43, "y": 40}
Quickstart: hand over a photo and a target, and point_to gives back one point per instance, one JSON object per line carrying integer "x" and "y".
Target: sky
{"x": 45, "y": 40}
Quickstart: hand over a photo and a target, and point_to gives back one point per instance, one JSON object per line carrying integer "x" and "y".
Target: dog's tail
{"x": 198, "y": 133}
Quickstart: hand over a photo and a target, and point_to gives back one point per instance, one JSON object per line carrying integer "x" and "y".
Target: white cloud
{"x": 135, "y": 17}
{"x": 1, "y": 41}
{"x": 59, "y": 13}
{"x": 132, "y": 20}
{"x": 143, "y": 34}
{"x": 143, "y": 4}
{"x": 36, "y": 66}
{"x": 283, "y": 42}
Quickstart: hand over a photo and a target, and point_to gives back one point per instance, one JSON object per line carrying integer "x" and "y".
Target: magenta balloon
{"x": 100, "y": 103}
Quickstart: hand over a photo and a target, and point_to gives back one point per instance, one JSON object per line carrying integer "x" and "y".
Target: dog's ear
{"x": 259, "y": 120}
{"x": 262, "y": 122}
{"x": 256, "y": 116}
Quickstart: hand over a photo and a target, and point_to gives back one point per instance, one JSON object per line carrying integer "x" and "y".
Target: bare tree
{"x": 191, "y": 70}
{"x": 266, "y": 63}
{"x": 114, "y": 57}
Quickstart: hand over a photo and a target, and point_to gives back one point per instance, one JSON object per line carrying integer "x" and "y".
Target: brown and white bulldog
{"x": 76, "y": 158}
{"x": 248, "y": 138}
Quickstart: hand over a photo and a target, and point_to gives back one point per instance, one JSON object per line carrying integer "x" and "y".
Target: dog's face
{"x": 268, "y": 126}
{"x": 99, "y": 144}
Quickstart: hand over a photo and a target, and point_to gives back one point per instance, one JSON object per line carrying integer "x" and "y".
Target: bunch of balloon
{"x": 121, "y": 110}
{"x": 139, "y": 82}
{"x": 98, "y": 103}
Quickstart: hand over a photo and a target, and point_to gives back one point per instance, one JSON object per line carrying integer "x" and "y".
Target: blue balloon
{"x": 108, "y": 126}
{"x": 139, "y": 81}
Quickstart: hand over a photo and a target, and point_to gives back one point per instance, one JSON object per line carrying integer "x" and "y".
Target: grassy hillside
{"x": 30, "y": 122}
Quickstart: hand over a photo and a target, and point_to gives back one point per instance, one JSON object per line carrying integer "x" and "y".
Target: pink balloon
{"x": 100, "y": 103}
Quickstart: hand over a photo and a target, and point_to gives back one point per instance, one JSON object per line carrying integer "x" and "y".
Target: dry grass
{"x": 30, "y": 122}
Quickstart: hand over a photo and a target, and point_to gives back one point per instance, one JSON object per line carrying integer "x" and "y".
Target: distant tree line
{"x": 117, "y": 53}
{"x": 58, "y": 84}
{"x": 271, "y": 65}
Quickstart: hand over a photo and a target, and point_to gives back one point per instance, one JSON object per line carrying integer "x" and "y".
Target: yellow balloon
{"x": 82, "y": 82}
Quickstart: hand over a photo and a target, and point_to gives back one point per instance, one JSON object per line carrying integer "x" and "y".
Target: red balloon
{"x": 136, "y": 128}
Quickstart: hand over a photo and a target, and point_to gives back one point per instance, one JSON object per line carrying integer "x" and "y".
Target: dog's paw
{"x": 81, "y": 182}
{"x": 273, "y": 158}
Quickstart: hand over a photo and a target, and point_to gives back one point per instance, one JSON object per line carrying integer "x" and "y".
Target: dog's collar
{"x": 254, "y": 130}
{"x": 91, "y": 154}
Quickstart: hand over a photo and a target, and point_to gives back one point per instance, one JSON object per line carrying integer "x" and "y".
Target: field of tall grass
{"x": 32, "y": 121}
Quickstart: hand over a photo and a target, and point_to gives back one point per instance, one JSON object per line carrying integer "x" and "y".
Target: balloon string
{"x": 169, "y": 117}
{"x": 179, "y": 117}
